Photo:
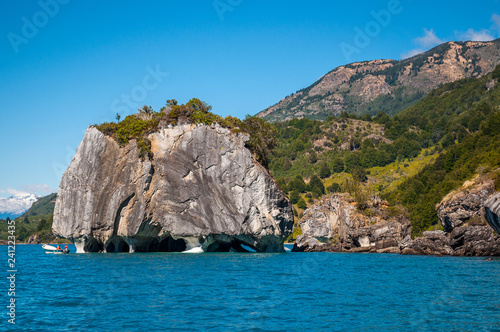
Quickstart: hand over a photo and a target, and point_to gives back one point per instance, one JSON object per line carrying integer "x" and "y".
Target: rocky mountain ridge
{"x": 16, "y": 205}
{"x": 386, "y": 85}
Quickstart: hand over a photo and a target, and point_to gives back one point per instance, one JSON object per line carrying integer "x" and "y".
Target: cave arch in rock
{"x": 93, "y": 245}
{"x": 169, "y": 244}
{"x": 153, "y": 246}
{"x": 224, "y": 246}
{"x": 117, "y": 245}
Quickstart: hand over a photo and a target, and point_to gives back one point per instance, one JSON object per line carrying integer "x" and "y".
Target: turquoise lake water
{"x": 251, "y": 292}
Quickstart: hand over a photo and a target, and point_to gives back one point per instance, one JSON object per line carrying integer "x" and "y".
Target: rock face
{"x": 201, "y": 189}
{"x": 466, "y": 232}
{"x": 461, "y": 241}
{"x": 464, "y": 205}
{"x": 334, "y": 224}
{"x": 492, "y": 212}
{"x": 34, "y": 239}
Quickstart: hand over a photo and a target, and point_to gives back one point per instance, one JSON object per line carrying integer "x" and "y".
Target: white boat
{"x": 53, "y": 250}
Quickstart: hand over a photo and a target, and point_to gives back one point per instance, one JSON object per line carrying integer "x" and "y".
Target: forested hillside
{"x": 412, "y": 159}
{"x": 36, "y": 221}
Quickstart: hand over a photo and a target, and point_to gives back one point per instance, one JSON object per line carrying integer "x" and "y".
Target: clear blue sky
{"x": 68, "y": 66}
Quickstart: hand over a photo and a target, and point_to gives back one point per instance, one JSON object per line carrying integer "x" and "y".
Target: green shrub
{"x": 334, "y": 188}
{"x": 301, "y": 204}
{"x": 262, "y": 135}
{"x": 294, "y": 197}
{"x": 324, "y": 171}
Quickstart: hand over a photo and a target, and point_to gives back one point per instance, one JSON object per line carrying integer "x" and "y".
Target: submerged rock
{"x": 202, "y": 189}
{"x": 334, "y": 224}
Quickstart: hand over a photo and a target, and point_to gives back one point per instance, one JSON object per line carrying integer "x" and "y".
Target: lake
{"x": 251, "y": 292}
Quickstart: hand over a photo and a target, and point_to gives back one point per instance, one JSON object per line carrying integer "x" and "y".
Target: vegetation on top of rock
{"x": 262, "y": 136}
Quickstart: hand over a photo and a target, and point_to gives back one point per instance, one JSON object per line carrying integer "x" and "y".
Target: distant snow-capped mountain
{"x": 14, "y": 206}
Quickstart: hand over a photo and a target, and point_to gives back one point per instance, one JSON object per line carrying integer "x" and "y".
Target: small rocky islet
{"x": 203, "y": 190}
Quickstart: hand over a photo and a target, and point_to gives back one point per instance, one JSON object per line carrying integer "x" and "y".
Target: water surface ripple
{"x": 252, "y": 292}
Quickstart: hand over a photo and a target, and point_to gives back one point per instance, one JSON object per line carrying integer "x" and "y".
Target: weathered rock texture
{"x": 335, "y": 224}
{"x": 492, "y": 212}
{"x": 465, "y": 204}
{"x": 34, "y": 239}
{"x": 466, "y": 232}
{"x": 202, "y": 189}
{"x": 461, "y": 241}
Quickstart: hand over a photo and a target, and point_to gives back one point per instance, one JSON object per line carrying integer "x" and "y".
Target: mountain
{"x": 44, "y": 205}
{"x": 370, "y": 87}
{"x": 14, "y": 206}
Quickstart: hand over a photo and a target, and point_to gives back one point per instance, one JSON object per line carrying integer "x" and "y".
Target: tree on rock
{"x": 262, "y": 138}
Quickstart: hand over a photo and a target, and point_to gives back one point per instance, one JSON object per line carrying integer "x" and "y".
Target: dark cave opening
{"x": 169, "y": 244}
{"x": 235, "y": 245}
{"x": 93, "y": 246}
{"x": 118, "y": 246}
{"x": 110, "y": 247}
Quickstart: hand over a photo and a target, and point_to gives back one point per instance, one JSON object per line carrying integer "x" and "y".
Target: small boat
{"x": 53, "y": 250}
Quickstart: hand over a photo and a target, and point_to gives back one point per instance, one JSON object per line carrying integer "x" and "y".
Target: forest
{"x": 435, "y": 145}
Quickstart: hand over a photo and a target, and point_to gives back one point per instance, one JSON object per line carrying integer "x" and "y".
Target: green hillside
{"x": 36, "y": 221}
{"x": 44, "y": 205}
{"x": 412, "y": 159}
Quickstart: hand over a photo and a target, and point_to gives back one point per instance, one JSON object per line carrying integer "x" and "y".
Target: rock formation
{"x": 202, "y": 188}
{"x": 464, "y": 204}
{"x": 461, "y": 241}
{"x": 34, "y": 239}
{"x": 335, "y": 224}
{"x": 492, "y": 212}
{"x": 466, "y": 232}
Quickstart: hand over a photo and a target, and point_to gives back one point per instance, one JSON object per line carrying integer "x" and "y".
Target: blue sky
{"x": 68, "y": 64}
